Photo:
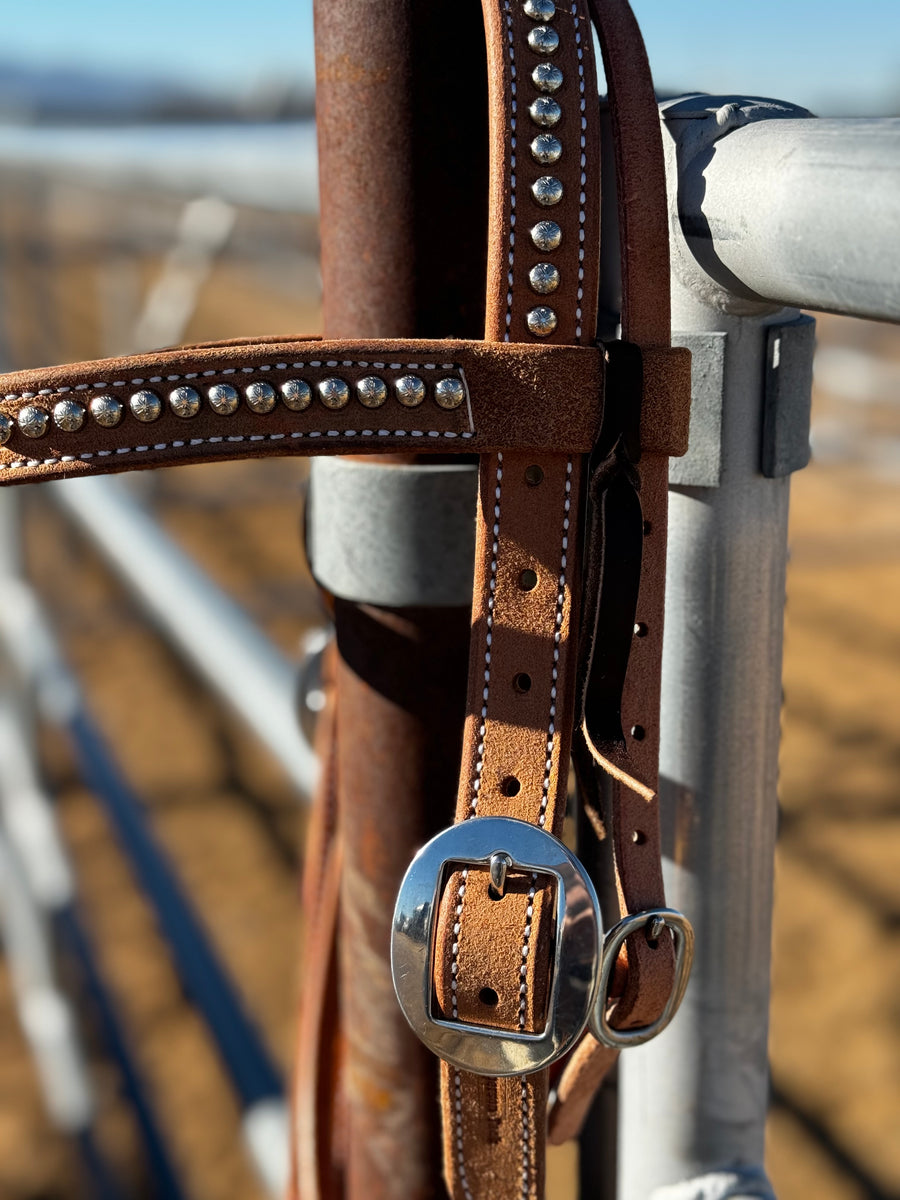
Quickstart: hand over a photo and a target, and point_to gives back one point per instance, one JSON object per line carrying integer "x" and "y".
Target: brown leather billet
{"x": 522, "y": 652}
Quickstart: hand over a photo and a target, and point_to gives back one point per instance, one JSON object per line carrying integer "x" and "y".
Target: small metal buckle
{"x": 655, "y": 920}
{"x": 476, "y": 1048}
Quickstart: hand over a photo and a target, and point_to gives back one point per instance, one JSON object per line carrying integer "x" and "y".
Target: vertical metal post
{"x": 694, "y": 1102}
{"x": 393, "y": 215}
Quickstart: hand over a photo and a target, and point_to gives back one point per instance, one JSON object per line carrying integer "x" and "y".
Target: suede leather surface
{"x": 535, "y": 396}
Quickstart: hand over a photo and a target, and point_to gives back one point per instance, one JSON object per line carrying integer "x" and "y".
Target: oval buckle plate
{"x": 575, "y": 974}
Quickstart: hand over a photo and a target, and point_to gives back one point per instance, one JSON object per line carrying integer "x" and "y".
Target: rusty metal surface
{"x": 403, "y": 180}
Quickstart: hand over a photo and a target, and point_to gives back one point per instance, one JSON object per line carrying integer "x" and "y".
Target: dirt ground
{"x": 233, "y": 828}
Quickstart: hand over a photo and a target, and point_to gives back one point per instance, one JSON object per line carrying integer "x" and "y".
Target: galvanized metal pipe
{"x": 792, "y": 210}
{"x": 387, "y": 129}
{"x": 700, "y": 1091}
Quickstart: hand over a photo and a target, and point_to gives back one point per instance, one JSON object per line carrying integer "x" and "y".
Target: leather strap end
{"x": 666, "y": 407}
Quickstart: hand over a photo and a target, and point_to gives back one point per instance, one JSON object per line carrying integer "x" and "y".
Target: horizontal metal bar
{"x": 208, "y": 629}
{"x": 781, "y": 208}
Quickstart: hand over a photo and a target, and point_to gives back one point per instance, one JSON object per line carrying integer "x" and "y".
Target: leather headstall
{"x": 499, "y": 960}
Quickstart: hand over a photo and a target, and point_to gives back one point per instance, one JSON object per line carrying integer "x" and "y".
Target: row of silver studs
{"x": 546, "y": 149}
{"x": 185, "y": 402}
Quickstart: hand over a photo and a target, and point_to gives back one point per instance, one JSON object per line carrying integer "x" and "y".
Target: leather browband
{"x": 513, "y": 395}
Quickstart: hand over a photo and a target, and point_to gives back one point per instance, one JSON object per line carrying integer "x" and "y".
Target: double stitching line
{"x": 513, "y": 108}
{"x": 583, "y": 183}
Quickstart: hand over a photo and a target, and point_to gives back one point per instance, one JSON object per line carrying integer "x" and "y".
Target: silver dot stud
{"x": 146, "y": 406}
{"x": 6, "y": 428}
{"x": 107, "y": 411}
{"x": 410, "y": 391}
{"x": 540, "y": 10}
{"x": 371, "y": 391}
{"x": 334, "y": 393}
{"x": 547, "y": 190}
{"x": 546, "y": 149}
{"x": 261, "y": 397}
{"x": 544, "y": 278}
{"x": 546, "y": 235}
{"x": 296, "y": 394}
{"x": 541, "y": 321}
{"x": 545, "y": 112}
{"x": 33, "y": 421}
{"x": 184, "y": 402}
{"x": 223, "y": 399}
{"x": 449, "y": 393}
{"x": 543, "y": 39}
{"x": 547, "y": 78}
{"x": 68, "y": 416}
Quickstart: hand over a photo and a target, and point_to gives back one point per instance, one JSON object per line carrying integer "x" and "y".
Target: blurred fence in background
{"x": 101, "y": 253}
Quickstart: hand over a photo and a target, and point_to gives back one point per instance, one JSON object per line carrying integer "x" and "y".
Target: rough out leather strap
{"x": 494, "y": 955}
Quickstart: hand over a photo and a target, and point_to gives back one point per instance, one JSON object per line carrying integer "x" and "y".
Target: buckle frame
{"x": 575, "y": 979}
{"x": 683, "y": 936}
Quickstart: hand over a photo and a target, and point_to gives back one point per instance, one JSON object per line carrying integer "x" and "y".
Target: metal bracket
{"x": 786, "y": 401}
{"x": 396, "y": 535}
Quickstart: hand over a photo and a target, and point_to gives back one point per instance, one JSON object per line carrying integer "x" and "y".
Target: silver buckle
{"x": 575, "y": 978}
{"x": 654, "y": 920}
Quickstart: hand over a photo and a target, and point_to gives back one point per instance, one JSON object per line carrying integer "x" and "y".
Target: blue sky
{"x": 829, "y": 55}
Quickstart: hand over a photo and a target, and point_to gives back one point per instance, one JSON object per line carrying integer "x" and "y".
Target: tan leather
{"x": 516, "y": 747}
{"x": 493, "y": 1129}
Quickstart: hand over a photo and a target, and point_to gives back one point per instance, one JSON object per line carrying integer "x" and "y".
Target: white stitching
{"x": 231, "y": 371}
{"x": 523, "y": 992}
{"x": 492, "y": 586}
{"x": 460, "y": 1154}
{"x": 272, "y": 437}
{"x": 454, "y": 953}
{"x": 512, "y": 167}
{"x": 581, "y": 196}
{"x": 557, "y": 632}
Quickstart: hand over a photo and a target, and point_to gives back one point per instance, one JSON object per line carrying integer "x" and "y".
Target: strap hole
{"x": 640, "y": 629}
{"x": 638, "y": 733}
{"x": 647, "y": 528}
{"x": 528, "y": 580}
{"x": 489, "y": 997}
{"x": 522, "y": 682}
{"x": 638, "y": 837}
{"x": 510, "y": 786}
{"x": 534, "y": 475}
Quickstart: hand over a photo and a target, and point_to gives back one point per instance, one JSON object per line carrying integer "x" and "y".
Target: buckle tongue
{"x": 498, "y": 844}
